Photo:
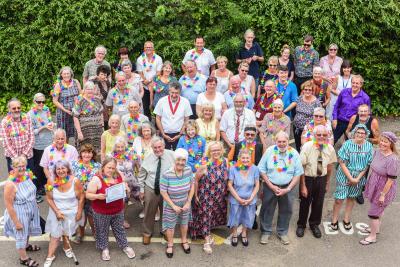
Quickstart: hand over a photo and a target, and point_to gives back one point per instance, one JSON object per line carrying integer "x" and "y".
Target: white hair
{"x": 38, "y": 95}
{"x": 156, "y": 139}
{"x": 278, "y": 101}
{"x": 59, "y": 131}
{"x": 282, "y": 134}
{"x": 68, "y": 68}
{"x": 181, "y": 153}
{"x": 89, "y": 85}
{"x": 319, "y": 110}
{"x": 318, "y": 68}
{"x": 100, "y": 47}
{"x": 248, "y": 31}
{"x": 320, "y": 128}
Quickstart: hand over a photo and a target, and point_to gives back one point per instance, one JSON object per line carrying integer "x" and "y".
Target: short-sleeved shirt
{"x": 172, "y": 122}
{"x": 244, "y": 186}
{"x": 217, "y": 103}
{"x": 331, "y": 70}
{"x": 277, "y": 177}
{"x": 110, "y": 140}
{"x": 149, "y": 67}
{"x": 119, "y": 101}
{"x": 203, "y": 61}
{"x": 305, "y": 61}
{"x": 229, "y": 119}
{"x": 289, "y": 92}
{"x": 229, "y": 95}
{"x": 91, "y": 66}
{"x": 191, "y": 88}
{"x": 51, "y": 155}
{"x": 309, "y": 158}
{"x": 255, "y": 50}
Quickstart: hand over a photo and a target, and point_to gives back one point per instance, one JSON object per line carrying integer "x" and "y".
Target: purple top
{"x": 347, "y": 105}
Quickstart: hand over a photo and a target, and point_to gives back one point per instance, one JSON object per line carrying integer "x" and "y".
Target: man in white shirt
{"x": 172, "y": 112}
{"x": 203, "y": 57}
{"x": 148, "y": 65}
{"x": 235, "y": 120}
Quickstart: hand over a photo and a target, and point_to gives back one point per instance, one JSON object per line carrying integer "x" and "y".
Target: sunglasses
{"x": 332, "y": 49}
{"x": 319, "y": 116}
{"x": 307, "y": 45}
{"x": 321, "y": 135}
{"x": 271, "y": 65}
{"x": 16, "y": 108}
{"x": 244, "y": 70}
{"x": 250, "y": 134}
{"x": 39, "y": 102}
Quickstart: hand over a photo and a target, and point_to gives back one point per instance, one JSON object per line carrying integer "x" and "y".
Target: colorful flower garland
{"x": 240, "y": 166}
{"x": 57, "y": 90}
{"x": 53, "y": 151}
{"x": 84, "y": 171}
{"x": 133, "y": 127}
{"x": 262, "y": 105}
{"x": 37, "y": 115}
{"x": 115, "y": 98}
{"x": 194, "y": 55}
{"x": 275, "y": 159}
{"x": 148, "y": 65}
{"x": 186, "y": 80}
{"x": 28, "y": 175}
{"x": 87, "y": 110}
{"x": 205, "y": 161}
{"x": 319, "y": 146}
{"x": 21, "y": 129}
{"x": 129, "y": 155}
{"x": 58, "y": 181}
{"x": 251, "y": 147}
{"x": 310, "y": 129}
{"x": 158, "y": 88}
{"x": 189, "y": 141}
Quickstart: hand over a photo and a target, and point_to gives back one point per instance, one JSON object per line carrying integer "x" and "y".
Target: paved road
{"x": 340, "y": 249}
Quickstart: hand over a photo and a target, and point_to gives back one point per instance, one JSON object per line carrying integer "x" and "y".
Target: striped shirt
{"x": 177, "y": 187}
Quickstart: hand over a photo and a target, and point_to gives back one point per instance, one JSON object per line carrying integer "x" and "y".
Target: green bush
{"x": 39, "y": 37}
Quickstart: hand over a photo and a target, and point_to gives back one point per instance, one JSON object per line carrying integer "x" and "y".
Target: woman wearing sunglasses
{"x": 271, "y": 73}
{"x": 330, "y": 64}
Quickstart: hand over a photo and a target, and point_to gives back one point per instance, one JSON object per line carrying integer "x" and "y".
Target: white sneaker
{"x": 49, "y": 261}
{"x": 157, "y": 218}
{"x": 68, "y": 253}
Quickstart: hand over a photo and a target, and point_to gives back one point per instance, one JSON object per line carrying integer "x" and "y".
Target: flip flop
{"x": 366, "y": 230}
{"x": 365, "y": 242}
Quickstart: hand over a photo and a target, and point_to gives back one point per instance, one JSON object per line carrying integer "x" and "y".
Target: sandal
{"x": 29, "y": 262}
{"x": 68, "y": 253}
{"x": 207, "y": 248}
{"x": 49, "y": 261}
{"x": 105, "y": 255}
{"x": 186, "y": 250}
{"x": 77, "y": 240}
{"x": 366, "y": 242}
{"x": 169, "y": 254}
{"x": 366, "y": 230}
{"x": 129, "y": 252}
{"x": 245, "y": 241}
{"x": 32, "y": 248}
{"x": 334, "y": 226}
{"x": 234, "y": 241}
{"x": 347, "y": 225}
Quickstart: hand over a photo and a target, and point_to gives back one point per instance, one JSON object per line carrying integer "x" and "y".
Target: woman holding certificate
{"x": 107, "y": 192}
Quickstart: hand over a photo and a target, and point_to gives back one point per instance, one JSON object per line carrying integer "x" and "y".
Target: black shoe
{"x": 255, "y": 225}
{"x": 169, "y": 255}
{"x": 360, "y": 199}
{"x": 315, "y": 231}
{"x": 186, "y": 250}
{"x": 300, "y": 232}
{"x": 39, "y": 199}
{"x": 245, "y": 241}
{"x": 234, "y": 241}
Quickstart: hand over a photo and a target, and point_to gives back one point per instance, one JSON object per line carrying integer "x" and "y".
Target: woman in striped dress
{"x": 355, "y": 157}
{"x": 21, "y": 217}
{"x": 177, "y": 189}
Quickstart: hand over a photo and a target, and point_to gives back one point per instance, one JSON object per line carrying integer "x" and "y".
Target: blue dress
{"x": 239, "y": 214}
{"x": 195, "y": 146}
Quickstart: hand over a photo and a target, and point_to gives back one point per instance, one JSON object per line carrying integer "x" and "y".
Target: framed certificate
{"x": 115, "y": 192}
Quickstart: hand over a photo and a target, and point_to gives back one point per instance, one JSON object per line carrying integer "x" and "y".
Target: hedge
{"x": 38, "y": 37}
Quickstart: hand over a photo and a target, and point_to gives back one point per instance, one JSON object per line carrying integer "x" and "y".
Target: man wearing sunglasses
{"x": 16, "y": 134}
{"x": 305, "y": 59}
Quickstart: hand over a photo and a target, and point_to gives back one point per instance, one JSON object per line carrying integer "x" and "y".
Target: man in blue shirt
{"x": 286, "y": 89}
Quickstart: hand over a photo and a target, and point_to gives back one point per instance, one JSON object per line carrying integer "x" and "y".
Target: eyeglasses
{"x": 319, "y": 116}
{"x": 39, "y": 102}
{"x": 250, "y": 134}
{"x": 16, "y": 108}
{"x": 148, "y": 47}
{"x": 307, "y": 45}
{"x": 321, "y": 135}
{"x": 244, "y": 70}
{"x": 361, "y": 133}
{"x": 332, "y": 49}
{"x": 307, "y": 90}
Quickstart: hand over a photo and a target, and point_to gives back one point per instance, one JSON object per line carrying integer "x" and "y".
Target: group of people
{"x": 199, "y": 151}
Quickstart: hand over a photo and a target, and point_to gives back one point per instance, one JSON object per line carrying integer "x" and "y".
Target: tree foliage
{"x": 38, "y": 37}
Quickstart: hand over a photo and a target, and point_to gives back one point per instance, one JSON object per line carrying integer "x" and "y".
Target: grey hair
{"x": 38, "y": 95}
{"x": 89, "y": 85}
{"x": 114, "y": 117}
{"x": 19, "y": 159}
{"x": 175, "y": 85}
{"x": 68, "y": 68}
{"x": 283, "y": 134}
{"x": 120, "y": 140}
{"x": 125, "y": 63}
{"x": 248, "y": 31}
{"x": 333, "y": 45}
{"x": 133, "y": 102}
{"x": 120, "y": 73}
{"x": 100, "y": 47}
{"x": 156, "y": 139}
{"x": 14, "y": 99}
{"x": 194, "y": 63}
{"x": 319, "y": 110}
{"x": 238, "y": 95}
{"x": 319, "y": 128}
{"x": 59, "y": 131}
{"x": 146, "y": 125}
{"x": 181, "y": 153}
{"x": 318, "y": 68}
{"x": 62, "y": 163}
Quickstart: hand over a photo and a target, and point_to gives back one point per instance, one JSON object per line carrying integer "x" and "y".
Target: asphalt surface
{"x": 340, "y": 249}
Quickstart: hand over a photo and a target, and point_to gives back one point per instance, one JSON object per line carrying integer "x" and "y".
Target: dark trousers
{"x": 298, "y": 81}
{"x": 9, "y": 164}
{"x": 297, "y": 137}
{"x": 146, "y": 103}
{"x": 194, "y": 116}
{"x": 340, "y": 130}
{"x": 171, "y": 145}
{"x": 41, "y": 179}
{"x": 315, "y": 198}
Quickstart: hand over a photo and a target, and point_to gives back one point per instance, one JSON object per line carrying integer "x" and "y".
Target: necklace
{"x": 28, "y": 175}
{"x": 57, "y": 90}
{"x": 126, "y": 155}
{"x": 275, "y": 159}
{"x": 319, "y": 146}
{"x": 148, "y": 65}
{"x": 157, "y": 87}
{"x": 262, "y": 105}
{"x": 248, "y": 146}
{"x": 20, "y": 130}
{"x": 205, "y": 161}
{"x": 53, "y": 151}
{"x": 107, "y": 180}
{"x": 37, "y": 115}
{"x": 188, "y": 82}
{"x": 117, "y": 99}
{"x": 194, "y": 55}
{"x": 58, "y": 181}
{"x": 133, "y": 126}
{"x": 89, "y": 108}
{"x": 240, "y": 166}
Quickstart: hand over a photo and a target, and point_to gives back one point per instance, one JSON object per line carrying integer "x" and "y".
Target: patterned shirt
{"x": 305, "y": 61}
{"x": 91, "y": 66}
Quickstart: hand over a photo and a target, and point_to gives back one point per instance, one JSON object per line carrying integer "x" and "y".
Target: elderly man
{"x": 256, "y": 149}
{"x": 234, "y": 120}
{"x": 172, "y": 112}
{"x": 321, "y": 88}
{"x": 280, "y": 169}
{"x": 153, "y": 166}
{"x": 148, "y": 65}
{"x": 318, "y": 158}
{"x": 203, "y": 57}
{"x": 286, "y": 89}
{"x": 193, "y": 83}
{"x": 119, "y": 97}
{"x": 59, "y": 150}
{"x": 305, "y": 59}
{"x": 347, "y": 105}
{"x": 131, "y": 122}
{"x": 16, "y": 134}
{"x": 236, "y": 89}
{"x": 90, "y": 70}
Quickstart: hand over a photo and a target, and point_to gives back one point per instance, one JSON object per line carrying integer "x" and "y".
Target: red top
{"x": 100, "y": 206}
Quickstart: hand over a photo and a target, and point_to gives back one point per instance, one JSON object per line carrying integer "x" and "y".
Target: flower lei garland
{"x": 37, "y": 116}
{"x": 189, "y": 141}
{"x": 251, "y": 147}
{"x": 87, "y": 110}
{"x": 321, "y": 90}
{"x": 58, "y": 181}
{"x": 57, "y": 90}
{"x": 28, "y": 175}
{"x": 271, "y": 123}
{"x": 303, "y": 57}
{"x": 285, "y": 85}
{"x": 133, "y": 126}
{"x": 53, "y": 151}
{"x": 115, "y": 98}
{"x": 22, "y": 128}
{"x": 148, "y": 66}
{"x": 129, "y": 155}
{"x": 85, "y": 171}
{"x": 275, "y": 159}
{"x": 309, "y": 130}
{"x": 240, "y": 166}
{"x": 205, "y": 161}
{"x": 319, "y": 146}
{"x": 194, "y": 55}
{"x": 188, "y": 82}
{"x": 157, "y": 88}
{"x": 262, "y": 106}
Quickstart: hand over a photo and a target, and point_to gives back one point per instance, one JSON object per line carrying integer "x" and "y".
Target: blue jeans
{"x": 285, "y": 207}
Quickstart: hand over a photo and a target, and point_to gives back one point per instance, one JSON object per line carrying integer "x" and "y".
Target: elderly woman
{"x": 192, "y": 142}
{"x": 273, "y": 123}
{"x": 207, "y": 123}
{"x": 177, "y": 189}
{"x": 108, "y": 137}
{"x": 213, "y": 97}
{"x": 142, "y": 143}
{"x": 43, "y": 129}
{"x": 222, "y": 74}
{"x": 382, "y": 183}
{"x": 84, "y": 169}
{"x": 103, "y": 86}
{"x": 66, "y": 199}
{"x": 355, "y": 156}
{"x": 88, "y": 117}
{"x": 110, "y": 214}
{"x": 331, "y": 63}
{"x": 305, "y": 105}
{"x": 318, "y": 118}
{"x": 243, "y": 186}
{"x": 210, "y": 208}
{"x": 364, "y": 117}
{"x": 247, "y": 82}
{"x": 321, "y": 88}
{"x": 160, "y": 85}
{"x": 264, "y": 102}
{"x": 133, "y": 79}
{"x": 271, "y": 73}
{"x": 285, "y": 60}
{"x": 65, "y": 91}
{"x": 21, "y": 217}
{"x": 127, "y": 166}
